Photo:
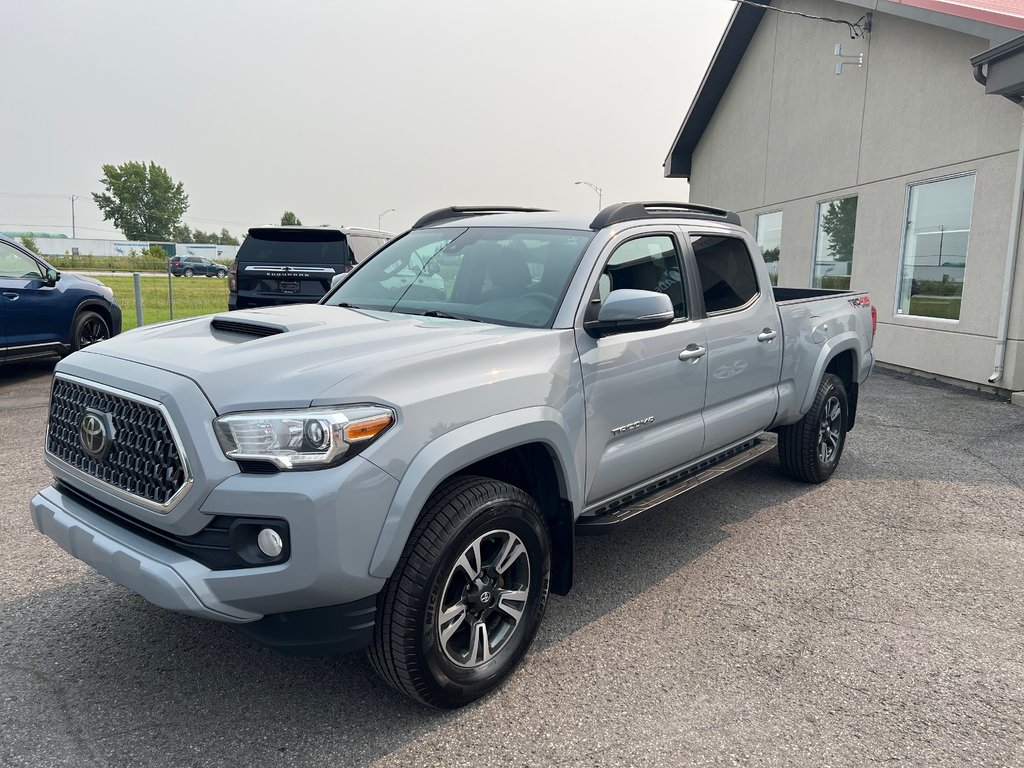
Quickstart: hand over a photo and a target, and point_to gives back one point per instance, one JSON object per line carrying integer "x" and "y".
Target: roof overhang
{"x": 980, "y": 22}
{"x": 1001, "y": 69}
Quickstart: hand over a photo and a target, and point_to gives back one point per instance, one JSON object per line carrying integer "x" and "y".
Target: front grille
{"x": 143, "y": 459}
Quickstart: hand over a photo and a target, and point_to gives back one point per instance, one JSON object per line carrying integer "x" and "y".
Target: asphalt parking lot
{"x": 876, "y": 619}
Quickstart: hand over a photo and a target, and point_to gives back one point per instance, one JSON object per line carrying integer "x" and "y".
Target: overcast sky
{"x": 340, "y": 109}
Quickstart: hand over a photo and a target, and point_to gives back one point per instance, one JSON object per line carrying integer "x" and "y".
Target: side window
{"x": 727, "y": 276}
{"x": 361, "y": 246}
{"x": 649, "y": 263}
{"x": 14, "y": 263}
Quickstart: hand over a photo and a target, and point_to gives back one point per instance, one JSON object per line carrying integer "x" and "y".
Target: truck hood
{"x": 285, "y": 357}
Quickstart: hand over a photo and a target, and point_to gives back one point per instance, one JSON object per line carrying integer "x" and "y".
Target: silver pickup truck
{"x": 405, "y": 466}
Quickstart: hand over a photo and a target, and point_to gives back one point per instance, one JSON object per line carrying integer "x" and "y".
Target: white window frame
{"x": 817, "y": 219}
{"x": 903, "y": 243}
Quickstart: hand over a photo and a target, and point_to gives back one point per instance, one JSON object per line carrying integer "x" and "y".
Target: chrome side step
{"x": 626, "y": 509}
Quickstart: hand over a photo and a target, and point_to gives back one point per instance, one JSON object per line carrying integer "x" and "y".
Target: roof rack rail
{"x": 614, "y": 214}
{"x": 461, "y": 212}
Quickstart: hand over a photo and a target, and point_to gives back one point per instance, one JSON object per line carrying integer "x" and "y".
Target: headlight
{"x": 304, "y": 439}
{"x": 108, "y": 292}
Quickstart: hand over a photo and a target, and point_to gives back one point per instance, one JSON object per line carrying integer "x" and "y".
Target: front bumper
{"x": 334, "y": 518}
{"x": 163, "y": 577}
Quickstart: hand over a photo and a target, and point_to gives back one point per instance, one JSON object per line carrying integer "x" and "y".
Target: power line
{"x": 857, "y": 28}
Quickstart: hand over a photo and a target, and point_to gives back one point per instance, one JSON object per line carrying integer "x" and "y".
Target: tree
{"x": 226, "y": 238}
{"x": 290, "y": 219}
{"x": 182, "y": 234}
{"x": 771, "y": 254}
{"x": 30, "y": 242}
{"x": 838, "y": 223}
{"x": 144, "y": 202}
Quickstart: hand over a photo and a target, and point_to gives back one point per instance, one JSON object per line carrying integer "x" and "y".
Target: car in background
{"x": 295, "y": 265}
{"x": 43, "y": 312}
{"x": 187, "y": 266}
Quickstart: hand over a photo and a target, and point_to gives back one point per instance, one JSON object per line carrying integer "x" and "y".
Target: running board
{"x": 628, "y": 508}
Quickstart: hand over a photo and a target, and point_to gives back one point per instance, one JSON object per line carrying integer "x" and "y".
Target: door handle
{"x": 767, "y": 335}
{"x": 692, "y": 353}
{"x": 10, "y": 295}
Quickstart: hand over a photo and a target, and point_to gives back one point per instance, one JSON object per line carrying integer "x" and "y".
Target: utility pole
{"x": 382, "y": 214}
{"x": 73, "y": 198}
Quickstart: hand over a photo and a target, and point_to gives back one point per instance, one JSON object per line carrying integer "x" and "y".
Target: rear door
{"x": 288, "y": 266}
{"x": 744, "y": 338}
{"x": 643, "y": 400}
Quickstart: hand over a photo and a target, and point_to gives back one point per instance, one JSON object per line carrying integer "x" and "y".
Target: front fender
{"x": 460, "y": 448}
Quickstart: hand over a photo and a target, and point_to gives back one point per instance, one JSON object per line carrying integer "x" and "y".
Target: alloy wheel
{"x": 484, "y": 598}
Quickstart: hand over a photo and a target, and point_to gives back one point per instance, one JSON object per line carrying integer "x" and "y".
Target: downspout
{"x": 1011, "y": 263}
{"x": 1011, "y": 248}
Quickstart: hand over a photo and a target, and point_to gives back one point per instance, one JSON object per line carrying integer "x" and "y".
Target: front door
{"x": 30, "y": 320}
{"x": 643, "y": 401}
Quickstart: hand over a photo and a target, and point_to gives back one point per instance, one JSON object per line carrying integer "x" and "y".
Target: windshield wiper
{"x": 450, "y": 316}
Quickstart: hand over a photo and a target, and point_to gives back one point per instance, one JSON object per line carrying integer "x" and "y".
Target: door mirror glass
{"x": 52, "y": 276}
{"x": 628, "y": 310}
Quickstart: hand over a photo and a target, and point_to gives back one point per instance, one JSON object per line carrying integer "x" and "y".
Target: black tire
{"x": 810, "y": 449}
{"x": 188, "y": 272}
{"x": 408, "y": 649}
{"x": 222, "y": 273}
{"x": 87, "y": 329}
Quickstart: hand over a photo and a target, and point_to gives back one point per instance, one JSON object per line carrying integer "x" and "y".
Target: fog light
{"x": 269, "y": 542}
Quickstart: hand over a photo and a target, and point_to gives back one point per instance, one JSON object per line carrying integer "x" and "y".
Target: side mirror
{"x": 627, "y": 310}
{"x": 338, "y": 279}
{"x": 52, "y": 276}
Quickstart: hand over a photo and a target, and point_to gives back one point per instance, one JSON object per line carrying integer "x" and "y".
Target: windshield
{"x": 504, "y": 275}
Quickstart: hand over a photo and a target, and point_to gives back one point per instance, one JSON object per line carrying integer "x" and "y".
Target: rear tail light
{"x": 233, "y": 277}
{"x": 874, "y": 320}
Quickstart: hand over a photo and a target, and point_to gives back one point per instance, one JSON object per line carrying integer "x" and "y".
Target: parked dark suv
{"x": 43, "y": 312}
{"x": 295, "y": 265}
{"x": 188, "y": 266}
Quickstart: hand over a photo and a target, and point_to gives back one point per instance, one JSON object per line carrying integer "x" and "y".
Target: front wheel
{"x": 467, "y": 596}
{"x": 810, "y": 449}
{"x": 221, "y": 273}
{"x": 87, "y": 329}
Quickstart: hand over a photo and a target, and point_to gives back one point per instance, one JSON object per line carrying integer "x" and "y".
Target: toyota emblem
{"x": 95, "y": 434}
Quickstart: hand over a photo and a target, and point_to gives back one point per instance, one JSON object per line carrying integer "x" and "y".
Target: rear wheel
{"x": 87, "y": 329}
{"x": 467, "y": 596}
{"x": 189, "y": 272}
{"x": 810, "y": 449}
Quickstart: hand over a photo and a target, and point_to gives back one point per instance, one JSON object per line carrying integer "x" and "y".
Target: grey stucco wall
{"x": 789, "y": 134}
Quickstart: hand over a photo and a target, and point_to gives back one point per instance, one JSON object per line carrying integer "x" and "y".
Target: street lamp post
{"x": 595, "y": 188}
{"x": 382, "y": 214}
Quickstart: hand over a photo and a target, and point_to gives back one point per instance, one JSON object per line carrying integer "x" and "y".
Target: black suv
{"x": 295, "y": 265}
{"x": 196, "y": 265}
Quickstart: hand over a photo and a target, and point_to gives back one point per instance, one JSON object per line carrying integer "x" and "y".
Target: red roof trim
{"x": 1002, "y": 13}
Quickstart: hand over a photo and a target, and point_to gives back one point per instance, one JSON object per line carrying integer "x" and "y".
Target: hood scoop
{"x": 246, "y": 327}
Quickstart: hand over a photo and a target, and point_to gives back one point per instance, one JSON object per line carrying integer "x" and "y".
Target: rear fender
{"x": 834, "y": 346}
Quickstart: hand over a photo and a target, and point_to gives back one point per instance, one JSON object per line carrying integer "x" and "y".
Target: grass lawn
{"x": 945, "y": 307}
{"x": 192, "y": 296}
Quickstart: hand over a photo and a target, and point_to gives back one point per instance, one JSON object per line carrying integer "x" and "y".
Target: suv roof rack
{"x": 613, "y": 214}
{"x": 461, "y": 212}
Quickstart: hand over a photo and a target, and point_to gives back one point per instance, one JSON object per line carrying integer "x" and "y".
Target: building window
{"x": 833, "y": 248}
{"x": 936, "y": 232}
{"x": 769, "y": 240}
{"x": 727, "y": 276}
